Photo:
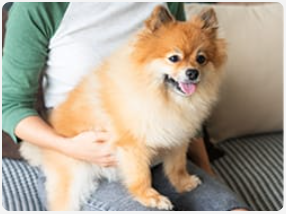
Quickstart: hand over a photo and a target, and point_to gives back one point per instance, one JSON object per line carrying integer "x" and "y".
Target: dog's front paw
{"x": 188, "y": 183}
{"x": 151, "y": 198}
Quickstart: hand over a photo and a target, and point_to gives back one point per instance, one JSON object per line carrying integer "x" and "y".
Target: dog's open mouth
{"x": 184, "y": 88}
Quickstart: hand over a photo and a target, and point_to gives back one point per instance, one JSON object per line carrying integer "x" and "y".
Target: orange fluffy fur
{"x": 127, "y": 96}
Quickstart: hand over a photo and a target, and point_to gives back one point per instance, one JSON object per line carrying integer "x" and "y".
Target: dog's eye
{"x": 201, "y": 59}
{"x": 174, "y": 58}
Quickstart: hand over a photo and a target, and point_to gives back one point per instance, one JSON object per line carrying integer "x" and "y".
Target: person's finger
{"x": 108, "y": 164}
{"x": 100, "y": 129}
{"x": 101, "y": 136}
{"x": 109, "y": 160}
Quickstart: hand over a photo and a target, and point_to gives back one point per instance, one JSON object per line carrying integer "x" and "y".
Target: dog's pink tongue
{"x": 187, "y": 88}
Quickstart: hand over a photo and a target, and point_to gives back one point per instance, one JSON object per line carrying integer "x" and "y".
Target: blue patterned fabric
{"x": 19, "y": 186}
{"x": 252, "y": 167}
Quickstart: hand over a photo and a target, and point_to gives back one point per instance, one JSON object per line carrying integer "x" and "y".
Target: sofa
{"x": 247, "y": 122}
{"x": 245, "y": 127}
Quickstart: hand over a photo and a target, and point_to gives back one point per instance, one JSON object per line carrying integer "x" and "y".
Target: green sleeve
{"x": 28, "y": 31}
{"x": 177, "y": 9}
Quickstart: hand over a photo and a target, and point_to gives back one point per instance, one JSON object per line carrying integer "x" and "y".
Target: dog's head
{"x": 180, "y": 54}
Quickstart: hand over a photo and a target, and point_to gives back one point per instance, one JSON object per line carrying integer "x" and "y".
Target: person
{"x": 67, "y": 40}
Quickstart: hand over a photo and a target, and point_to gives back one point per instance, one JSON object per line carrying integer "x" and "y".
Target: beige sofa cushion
{"x": 251, "y": 99}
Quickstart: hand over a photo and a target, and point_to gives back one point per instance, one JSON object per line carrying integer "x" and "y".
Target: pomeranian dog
{"x": 153, "y": 95}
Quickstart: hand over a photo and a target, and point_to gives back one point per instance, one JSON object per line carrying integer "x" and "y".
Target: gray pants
{"x": 211, "y": 195}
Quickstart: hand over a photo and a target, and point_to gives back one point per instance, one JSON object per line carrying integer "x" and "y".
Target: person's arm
{"x": 29, "y": 28}
{"x": 87, "y": 146}
{"x": 28, "y": 31}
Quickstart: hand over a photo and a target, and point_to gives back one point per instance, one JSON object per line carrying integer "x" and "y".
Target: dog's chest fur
{"x": 161, "y": 126}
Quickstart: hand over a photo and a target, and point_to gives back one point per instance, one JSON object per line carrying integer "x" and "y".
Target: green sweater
{"x": 33, "y": 31}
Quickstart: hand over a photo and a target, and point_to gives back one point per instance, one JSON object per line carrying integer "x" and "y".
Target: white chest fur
{"x": 172, "y": 125}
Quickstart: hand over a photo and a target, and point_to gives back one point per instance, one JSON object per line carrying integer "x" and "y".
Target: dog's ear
{"x": 207, "y": 21}
{"x": 160, "y": 16}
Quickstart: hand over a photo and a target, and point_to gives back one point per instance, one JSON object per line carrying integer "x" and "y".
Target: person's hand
{"x": 91, "y": 146}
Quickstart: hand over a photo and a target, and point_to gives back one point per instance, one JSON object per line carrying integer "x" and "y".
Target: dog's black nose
{"x": 192, "y": 74}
